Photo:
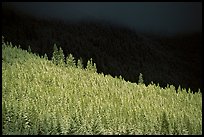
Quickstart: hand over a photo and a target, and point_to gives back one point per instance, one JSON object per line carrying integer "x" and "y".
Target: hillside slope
{"x": 117, "y": 50}
{"x": 41, "y": 98}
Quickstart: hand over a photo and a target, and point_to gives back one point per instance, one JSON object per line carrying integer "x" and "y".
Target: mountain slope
{"x": 41, "y": 98}
{"x": 117, "y": 50}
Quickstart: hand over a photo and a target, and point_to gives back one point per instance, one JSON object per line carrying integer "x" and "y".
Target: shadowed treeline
{"x": 116, "y": 50}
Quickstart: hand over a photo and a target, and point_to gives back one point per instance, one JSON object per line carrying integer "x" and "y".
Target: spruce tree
{"x": 61, "y": 57}
{"x": 94, "y": 69}
{"x": 70, "y": 61}
{"x": 45, "y": 56}
{"x": 29, "y": 49}
{"x": 79, "y": 63}
{"x": 2, "y": 39}
{"x": 91, "y": 66}
{"x": 55, "y": 55}
{"x": 140, "y": 81}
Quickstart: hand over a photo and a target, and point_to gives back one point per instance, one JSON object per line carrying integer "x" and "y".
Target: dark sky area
{"x": 162, "y": 17}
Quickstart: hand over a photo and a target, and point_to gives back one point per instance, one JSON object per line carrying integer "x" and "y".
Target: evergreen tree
{"x": 120, "y": 77}
{"x": 79, "y": 63}
{"x": 2, "y": 39}
{"x": 55, "y": 55}
{"x": 29, "y": 49}
{"x": 91, "y": 66}
{"x": 3, "y": 43}
{"x": 165, "y": 124}
{"x": 94, "y": 69}
{"x": 140, "y": 81}
{"x": 61, "y": 57}
{"x": 70, "y": 61}
{"x": 45, "y": 56}
{"x": 58, "y": 56}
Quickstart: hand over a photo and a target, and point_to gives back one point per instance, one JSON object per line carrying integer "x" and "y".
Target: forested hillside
{"x": 51, "y": 97}
{"x": 117, "y": 50}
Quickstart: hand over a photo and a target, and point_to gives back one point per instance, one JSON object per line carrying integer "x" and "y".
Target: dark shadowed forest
{"x": 116, "y": 50}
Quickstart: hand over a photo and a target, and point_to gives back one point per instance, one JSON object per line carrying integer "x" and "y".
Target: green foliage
{"x": 55, "y": 56}
{"x": 117, "y": 50}
{"x": 140, "y": 81}
{"x": 58, "y": 56}
{"x": 2, "y": 39}
{"x": 61, "y": 57}
{"x": 120, "y": 77}
{"x": 45, "y": 57}
{"x": 41, "y": 98}
{"x": 70, "y": 61}
{"x": 189, "y": 127}
{"x": 29, "y": 49}
{"x": 165, "y": 124}
{"x": 91, "y": 66}
{"x": 79, "y": 63}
